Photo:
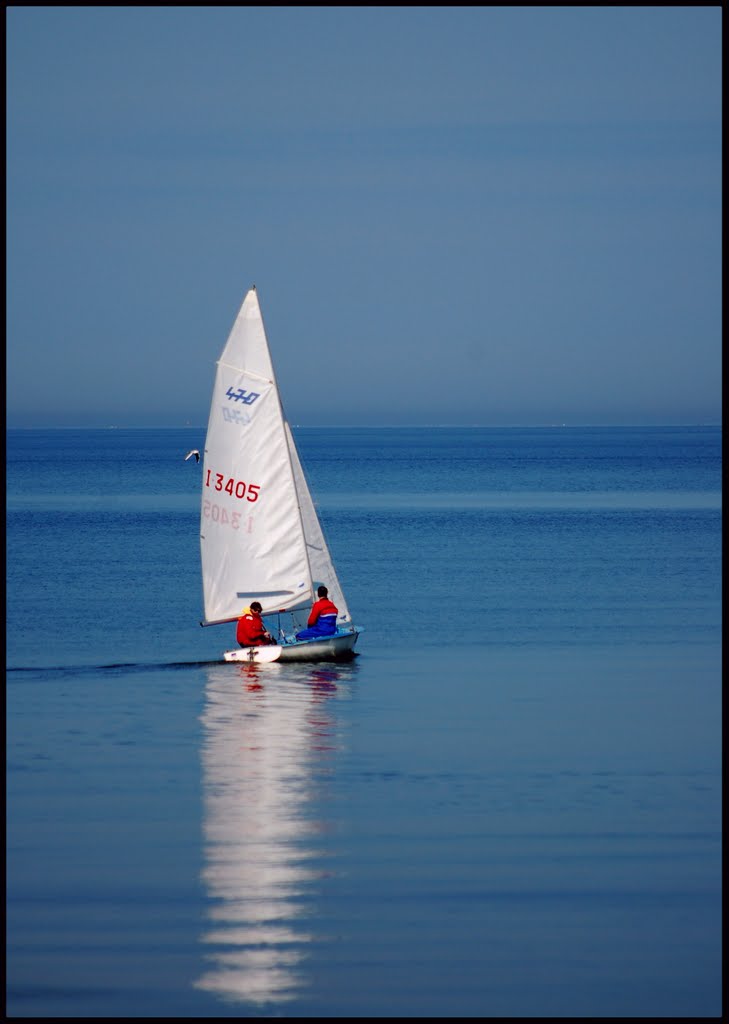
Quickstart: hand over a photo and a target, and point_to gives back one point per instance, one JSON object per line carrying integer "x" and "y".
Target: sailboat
{"x": 260, "y": 535}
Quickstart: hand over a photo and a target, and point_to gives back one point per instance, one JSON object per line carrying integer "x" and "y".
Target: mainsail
{"x": 260, "y": 536}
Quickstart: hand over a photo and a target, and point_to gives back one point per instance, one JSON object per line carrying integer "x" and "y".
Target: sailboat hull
{"x": 255, "y": 655}
{"x": 331, "y": 648}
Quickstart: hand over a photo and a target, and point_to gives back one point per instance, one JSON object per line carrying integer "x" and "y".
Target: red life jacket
{"x": 251, "y": 632}
{"x": 322, "y": 607}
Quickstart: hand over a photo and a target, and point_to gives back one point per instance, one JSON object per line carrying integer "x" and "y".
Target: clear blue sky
{"x": 452, "y": 214}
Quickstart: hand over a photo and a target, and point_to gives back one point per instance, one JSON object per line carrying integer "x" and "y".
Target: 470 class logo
{"x": 241, "y": 395}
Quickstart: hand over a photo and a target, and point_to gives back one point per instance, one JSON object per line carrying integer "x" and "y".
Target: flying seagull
{"x": 194, "y": 452}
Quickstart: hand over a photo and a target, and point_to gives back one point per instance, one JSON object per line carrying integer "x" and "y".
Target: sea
{"x": 508, "y": 804}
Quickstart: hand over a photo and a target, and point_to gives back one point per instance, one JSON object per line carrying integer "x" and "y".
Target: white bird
{"x": 194, "y": 452}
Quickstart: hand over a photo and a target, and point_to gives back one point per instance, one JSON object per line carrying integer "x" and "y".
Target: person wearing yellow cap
{"x": 251, "y": 632}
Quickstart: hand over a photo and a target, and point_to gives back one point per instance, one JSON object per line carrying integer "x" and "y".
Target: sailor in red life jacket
{"x": 251, "y": 632}
{"x": 322, "y": 619}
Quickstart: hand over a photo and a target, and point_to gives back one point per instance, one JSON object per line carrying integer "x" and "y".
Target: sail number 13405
{"x": 235, "y": 488}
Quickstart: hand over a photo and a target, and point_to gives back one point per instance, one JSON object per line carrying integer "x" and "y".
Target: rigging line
{"x": 246, "y": 371}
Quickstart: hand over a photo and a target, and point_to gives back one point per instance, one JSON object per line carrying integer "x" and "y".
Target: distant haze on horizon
{"x": 453, "y": 215}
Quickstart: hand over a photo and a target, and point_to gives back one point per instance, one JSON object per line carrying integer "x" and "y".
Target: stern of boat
{"x": 338, "y": 647}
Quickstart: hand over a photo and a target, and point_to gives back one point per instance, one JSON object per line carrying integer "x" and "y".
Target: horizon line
{"x": 388, "y": 426}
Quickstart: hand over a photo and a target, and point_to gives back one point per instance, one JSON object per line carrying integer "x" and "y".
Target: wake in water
{"x": 128, "y": 667}
{"x": 50, "y": 670}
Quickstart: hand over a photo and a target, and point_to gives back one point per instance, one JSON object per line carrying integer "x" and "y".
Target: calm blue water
{"x": 508, "y": 805}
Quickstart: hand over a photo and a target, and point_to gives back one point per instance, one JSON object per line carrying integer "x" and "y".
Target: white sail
{"x": 260, "y": 536}
{"x": 320, "y": 561}
{"x": 251, "y": 532}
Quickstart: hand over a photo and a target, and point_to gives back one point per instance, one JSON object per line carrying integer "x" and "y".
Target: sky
{"x": 452, "y": 215}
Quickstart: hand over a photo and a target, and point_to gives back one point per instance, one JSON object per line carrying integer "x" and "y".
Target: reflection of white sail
{"x": 260, "y": 745}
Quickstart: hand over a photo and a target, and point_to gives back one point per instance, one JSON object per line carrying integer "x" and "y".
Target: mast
{"x": 288, "y": 433}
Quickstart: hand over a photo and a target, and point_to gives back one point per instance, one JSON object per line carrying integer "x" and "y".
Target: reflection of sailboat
{"x": 260, "y": 535}
{"x": 264, "y": 737}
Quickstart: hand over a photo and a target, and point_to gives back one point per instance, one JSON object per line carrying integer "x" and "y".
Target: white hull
{"x": 256, "y": 655}
{"x": 329, "y": 648}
